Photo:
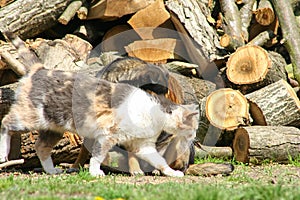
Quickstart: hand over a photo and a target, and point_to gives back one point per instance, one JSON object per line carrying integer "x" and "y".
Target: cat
{"x": 110, "y": 113}
{"x": 156, "y": 80}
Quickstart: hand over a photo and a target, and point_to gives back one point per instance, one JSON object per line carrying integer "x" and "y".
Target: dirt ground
{"x": 264, "y": 174}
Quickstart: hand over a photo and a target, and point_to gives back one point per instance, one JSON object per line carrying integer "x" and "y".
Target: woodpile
{"x": 240, "y": 60}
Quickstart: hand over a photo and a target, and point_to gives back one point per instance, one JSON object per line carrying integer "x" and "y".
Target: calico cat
{"x": 109, "y": 113}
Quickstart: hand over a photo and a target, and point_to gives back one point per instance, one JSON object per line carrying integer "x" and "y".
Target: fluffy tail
{"x": 26, "y": 57}
{"x": 209, "y": 169}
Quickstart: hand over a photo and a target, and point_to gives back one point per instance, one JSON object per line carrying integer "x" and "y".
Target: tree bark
{"x": 192, "y": 14}
{"x": 290, "y": 31}
{"x": 28, "y": 22}
{"x": 262, "y": 38}
{"x": 257, "y": 143}
{"x": 275, "y": 105}
{"x": 214, "y": 152}
{"x": 232, "y": 23}
{"x": 70, "y": 11}
{"x": 246, "y": 16}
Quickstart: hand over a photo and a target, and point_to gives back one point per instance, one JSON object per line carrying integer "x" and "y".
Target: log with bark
{"x": 274, "y": 105}
{"x": 257, "y": 143}
{"x": 233, "y": 37}
{"x": 33, "y": 21}
{"x": 290, "y": 31}
{"x": 190, "y": 18}
{"x": 264, "y": 14}
{"x": 227, "y": 109}
{"x": 251, "y": 68}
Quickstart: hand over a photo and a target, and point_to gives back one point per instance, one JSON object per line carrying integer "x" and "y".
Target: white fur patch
{"x": 144, "y": 115}
{"x": 5, "y": 147}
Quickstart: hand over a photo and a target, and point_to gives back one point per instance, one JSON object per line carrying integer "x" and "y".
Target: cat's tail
{"x": 27, "y": 57}
{"x": 209, "y": 169}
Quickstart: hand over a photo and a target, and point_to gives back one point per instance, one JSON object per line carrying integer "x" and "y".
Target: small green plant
{"x": 294, "y": 161}
{"x": 213, "y": 160}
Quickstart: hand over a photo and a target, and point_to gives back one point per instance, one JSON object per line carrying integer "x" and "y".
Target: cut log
{"x": 255, "y": 29}
{"x": 262, "y": 38}
{"x": 275, "y": 105}
{"x": 184, "y": 68}
{"x": 246, "y": 16}
{"x": 11, "y": 162}
{"x": 146, "y": 20}
{"x": 33, "y": 21}
{"x": 190, "y": 19}
{"x": 70, "y": 11}
{"x": 207, "y": 69}
{"x": 257, "y": 143}
{"x": 227, "y": 109}
{"x": 82, "y": 12}
{"x": 156, "y": 50}
{"x": 113, "y": 9}
{"x": 290, "y": 31}
{"x": 72, "y": 50}
{"x": 249, "y": 64}
{"x": 5, "y": 2}
{"x": 264, "y": 14}
{"x": 232, "y": 24}
{"x": 117, "y": 38}
{"x": 209, "y": 169}
{"x": 251, "y": 68}
{"x": 213, "y": 152}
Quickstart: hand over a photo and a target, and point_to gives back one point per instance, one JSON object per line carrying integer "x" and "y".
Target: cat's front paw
{"x": 137, "y": 173}
{"x": 2, "y": 159}
{"x": 54, "y": 171}
{"x": 3, "y": 156}
{"x": 173, "y": 173}
{"x": 96, "y": 172}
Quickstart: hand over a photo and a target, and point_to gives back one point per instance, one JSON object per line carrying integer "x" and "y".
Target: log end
{"x": 249, "y": 64}
{"x": 264, "y": 16}
{"x": 227, "y": 109}
{"x": 241, "y": 144}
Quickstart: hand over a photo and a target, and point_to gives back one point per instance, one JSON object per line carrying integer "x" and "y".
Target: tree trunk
{"x": 33, "y": 21}
{"x": 258, "y": 143}
{"x": 275, "y": 105}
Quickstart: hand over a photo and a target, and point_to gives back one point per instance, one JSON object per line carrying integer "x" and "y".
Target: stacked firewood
{"x": 238, "y": 59}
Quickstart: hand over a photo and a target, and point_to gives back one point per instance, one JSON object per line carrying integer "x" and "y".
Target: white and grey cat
{"x": 110, "y": 113}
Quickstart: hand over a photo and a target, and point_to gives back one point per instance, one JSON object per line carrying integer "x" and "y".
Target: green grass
{"x": 85, "y": 187}
{"x": 270, "y": 181}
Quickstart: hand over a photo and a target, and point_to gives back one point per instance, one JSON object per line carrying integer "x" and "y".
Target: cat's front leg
{"x": 150, "y": 155}
{"x": 100, "y": 149}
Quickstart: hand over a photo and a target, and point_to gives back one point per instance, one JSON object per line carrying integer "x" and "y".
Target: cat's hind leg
{"x": 150, "y": 155}
{"x": 43, "y": 146}
{"x": 9, "y": 126}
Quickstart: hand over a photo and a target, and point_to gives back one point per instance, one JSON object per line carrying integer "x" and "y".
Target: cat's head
{"x": 183, "y": 121}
